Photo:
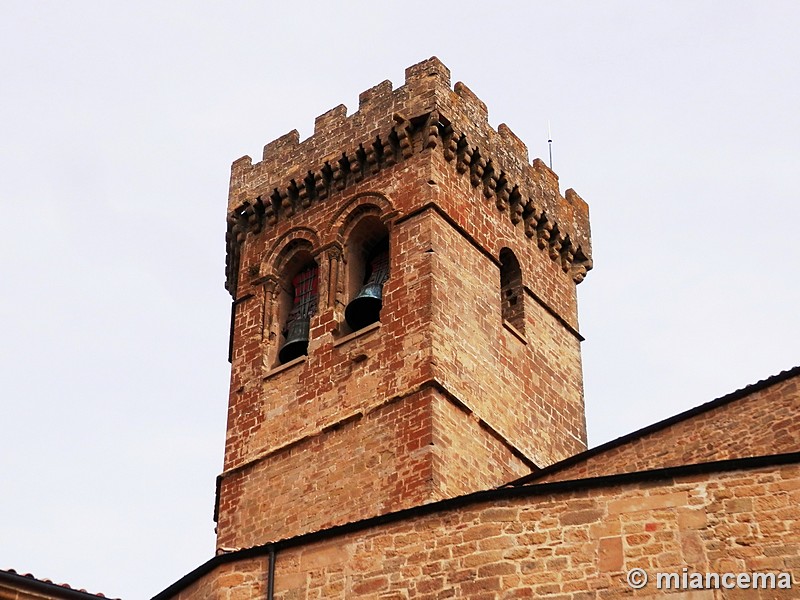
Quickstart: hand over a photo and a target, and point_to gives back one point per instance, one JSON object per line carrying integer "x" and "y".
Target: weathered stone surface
{"x": 440, "y": 398}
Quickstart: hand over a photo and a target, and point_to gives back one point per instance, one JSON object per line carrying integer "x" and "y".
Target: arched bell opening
{"x": 298, "y": 300}
{"x": 511, "y": 297}
{"x": 368, "y": 266}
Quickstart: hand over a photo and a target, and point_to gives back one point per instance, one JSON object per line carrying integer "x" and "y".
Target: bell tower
{"x": 404, "y": 323}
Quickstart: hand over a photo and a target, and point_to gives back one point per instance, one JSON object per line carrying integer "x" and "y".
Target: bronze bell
{"x": 298, "y": 324}
{"x": 296, "y": 343}
{"x": 365, "y": 308}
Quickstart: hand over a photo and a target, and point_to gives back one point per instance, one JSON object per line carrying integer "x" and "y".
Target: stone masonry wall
{"x": 243, "y": 580}
{"x": 763, "y": 423}
{"x": 452, "y": 293}
{"x": 268, "y": 411}
{"x": 410, "y": 451}
{"x": 567, "y": 545}
{"x": 467, "y": 455}
{"x": 373, "y": 464}
{"x": 530, "y": 387}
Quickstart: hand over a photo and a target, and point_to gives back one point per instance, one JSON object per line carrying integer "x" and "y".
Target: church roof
{"x": 44, "y": 588}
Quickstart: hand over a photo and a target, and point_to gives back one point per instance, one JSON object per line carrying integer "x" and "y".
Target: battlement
{"x": 391, "y": 125}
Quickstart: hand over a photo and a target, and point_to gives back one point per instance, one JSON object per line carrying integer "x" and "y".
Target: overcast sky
{"x": 679, "y": 124}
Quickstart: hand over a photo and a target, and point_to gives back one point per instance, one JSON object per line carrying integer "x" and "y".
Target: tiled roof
{"x": 14, "y": 575}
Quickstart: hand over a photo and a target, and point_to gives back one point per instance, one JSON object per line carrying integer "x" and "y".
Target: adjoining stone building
{"x": 406, "y": 415}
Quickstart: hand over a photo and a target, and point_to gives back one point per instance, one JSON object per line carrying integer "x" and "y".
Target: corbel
{"x": 357, "y": 162}
{"x": 501, "y": 192}
{"x": 531, "y": 216}
{"x": 402, "y": 129}
{"x": 375, "y": 156}
{"x": 252, "y": 217}
{"x": 450, "y": 143}
{"x": 580, "y": 266}
{"x": 476, "y": 168}
{"x": 270, "y": 212}
{"x": 556, "y": 242}
{"x": 464, "y": 155}
{"x": 543, "y": 232}
{"x": 567, "y": 254}
{"x": 489, "y": 179}
{"x": 340, "y": 172}
{"x": 286, "y": 205}
{"x": 432, "y": 130}
{"x": 515, "y": 202}
{"x": 307, "y": 190}
{"x": 391, "y": 146}
{"x": 323, "y": 181}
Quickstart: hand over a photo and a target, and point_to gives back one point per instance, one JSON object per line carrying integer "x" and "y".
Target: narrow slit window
{"x": 511, "y": 300}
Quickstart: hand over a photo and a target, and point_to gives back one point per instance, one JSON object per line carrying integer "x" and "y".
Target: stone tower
{"x": 468, "y": 377}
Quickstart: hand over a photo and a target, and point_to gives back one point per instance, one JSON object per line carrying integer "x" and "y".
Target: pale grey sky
{"x": 677, "y": 122}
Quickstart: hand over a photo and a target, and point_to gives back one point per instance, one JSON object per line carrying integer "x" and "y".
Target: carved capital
{"x": 334, "y": 253}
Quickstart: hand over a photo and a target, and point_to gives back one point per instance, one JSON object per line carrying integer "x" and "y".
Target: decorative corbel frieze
{"x": 386, "y": 150}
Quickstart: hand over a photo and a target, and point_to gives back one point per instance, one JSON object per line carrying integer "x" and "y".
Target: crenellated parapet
{"x": 391, "y": 126}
